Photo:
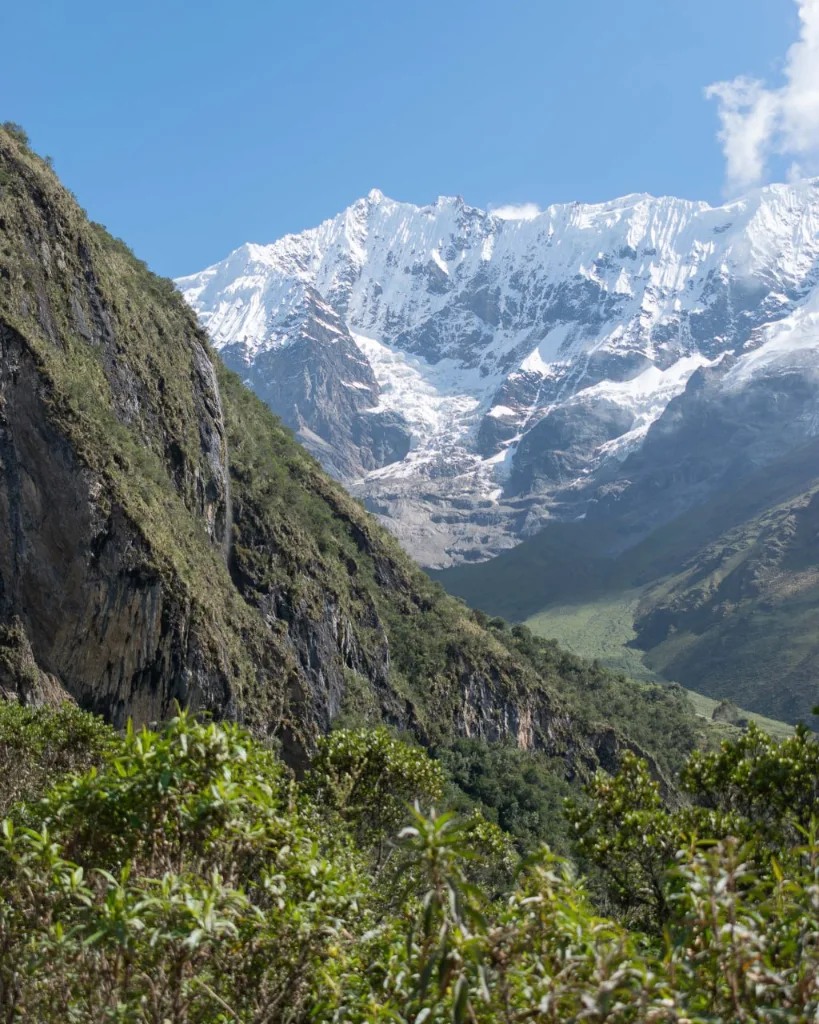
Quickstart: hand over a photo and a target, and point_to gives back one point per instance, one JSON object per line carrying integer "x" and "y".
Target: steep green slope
{"x": 163, "y": 539}
{"x": 724, "y": 599}
{"x": 743, "y": 616}
{"x": 566, "y": 562}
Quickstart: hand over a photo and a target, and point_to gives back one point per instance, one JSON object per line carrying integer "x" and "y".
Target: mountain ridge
{"x": 164, "y": 541}
{"x": 723, "y": 601}
{"x": 497, "y": 343}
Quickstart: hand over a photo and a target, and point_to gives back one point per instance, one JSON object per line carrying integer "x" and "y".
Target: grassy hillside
{"x": 604, "y": 631}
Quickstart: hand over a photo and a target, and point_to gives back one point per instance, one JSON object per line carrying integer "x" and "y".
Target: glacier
{"x": 472, "y": 374}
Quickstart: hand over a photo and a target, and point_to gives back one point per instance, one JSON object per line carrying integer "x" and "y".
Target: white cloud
{"x": 748, "y": 114}
{"x": 758, "y": 122}
{"x": 522, "y": 211}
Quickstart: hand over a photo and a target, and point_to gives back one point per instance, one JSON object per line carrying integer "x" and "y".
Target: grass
{"x": 602, "y": 630}
{"x": 599, "y": 629}
{"x": 704, "y": 706}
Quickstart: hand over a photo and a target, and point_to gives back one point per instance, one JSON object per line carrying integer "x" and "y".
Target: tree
{"x": 187, "y": 878}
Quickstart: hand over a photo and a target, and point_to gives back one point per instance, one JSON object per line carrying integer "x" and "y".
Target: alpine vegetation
{"x": 184, "y": 876}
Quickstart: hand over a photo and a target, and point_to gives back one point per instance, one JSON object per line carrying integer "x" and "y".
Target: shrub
{"x": 370, "y": 780}
{"x": 40, "y": 745}
{"x": 186, "y": 878}
{"x": 179, "y": 881}
{"x": 17, "y": 132}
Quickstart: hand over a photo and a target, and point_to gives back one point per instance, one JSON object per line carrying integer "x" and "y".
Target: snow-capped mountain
{"x": 473, "y": 375}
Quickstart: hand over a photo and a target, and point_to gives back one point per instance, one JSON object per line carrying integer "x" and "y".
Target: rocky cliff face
{"x": 528, "y": 359}
{"x": 163, "y": 539}
{"x": 324, "y": 389}
{"x": 86, "y": 412}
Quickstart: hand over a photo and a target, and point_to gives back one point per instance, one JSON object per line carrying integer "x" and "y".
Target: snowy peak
{"x": 492, "y": 335}
{"x": 630, "y": 245}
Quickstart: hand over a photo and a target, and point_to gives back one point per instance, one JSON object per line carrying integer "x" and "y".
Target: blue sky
{"x": 188, "y": 129}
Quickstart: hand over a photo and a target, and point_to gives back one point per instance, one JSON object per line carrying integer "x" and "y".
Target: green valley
{"x": 723, "y": 599}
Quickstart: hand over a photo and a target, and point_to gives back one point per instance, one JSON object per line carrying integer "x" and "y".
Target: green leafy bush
{"x": 179, "y": 881}
{"x": 187, "y": 878}
{"x": 370, "y": 779}
{"x": 40, "y": 745}
{"x": 755, "y": 790}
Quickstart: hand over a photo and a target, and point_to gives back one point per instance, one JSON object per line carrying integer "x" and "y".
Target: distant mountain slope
{"x": 163, "y": 538}
{"x": 474, "y": 377}
{"x": 724, "y": 598}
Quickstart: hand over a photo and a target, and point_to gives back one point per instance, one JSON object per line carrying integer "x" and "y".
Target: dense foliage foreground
{"x": 184, "y": 876}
